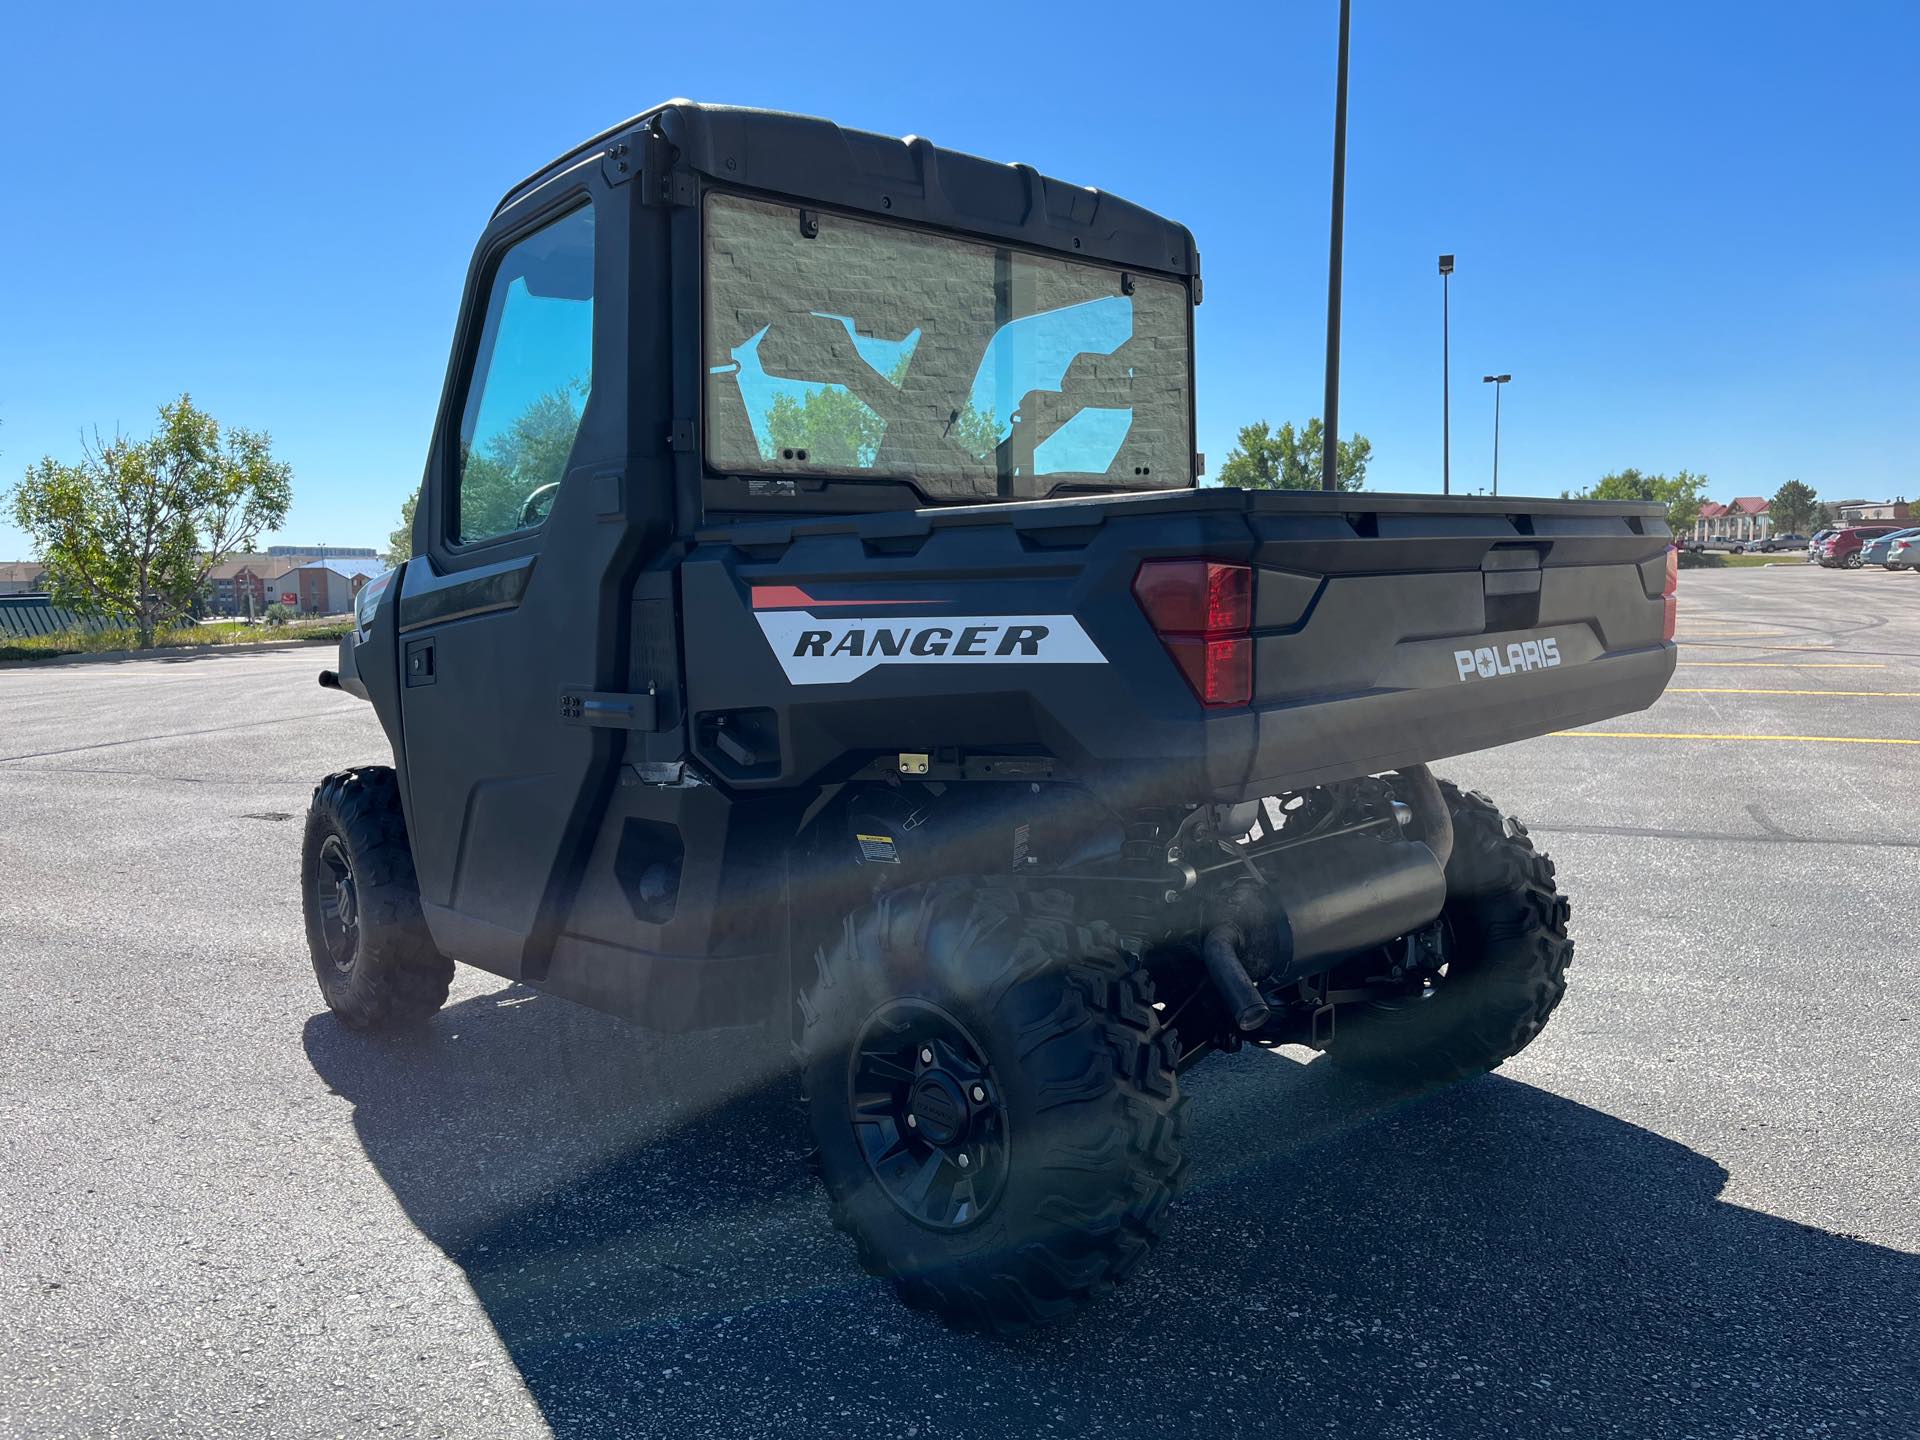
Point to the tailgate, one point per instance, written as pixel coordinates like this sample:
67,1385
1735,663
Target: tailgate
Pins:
1413,628
1386,630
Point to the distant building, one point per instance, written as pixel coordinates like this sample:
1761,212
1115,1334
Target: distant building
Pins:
1747,518
309,584
22,577
246,584
357,570
322,552
323,587
1862,511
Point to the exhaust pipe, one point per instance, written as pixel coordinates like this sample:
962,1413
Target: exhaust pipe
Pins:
1221,950
1347,894
1421,791
1328,899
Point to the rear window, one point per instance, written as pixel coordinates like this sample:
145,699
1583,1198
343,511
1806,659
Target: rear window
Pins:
850,347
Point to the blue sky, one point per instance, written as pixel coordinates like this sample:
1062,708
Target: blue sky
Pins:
1690,232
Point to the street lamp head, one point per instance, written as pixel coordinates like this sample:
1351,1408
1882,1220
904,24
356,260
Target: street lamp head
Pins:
1446,264
1495,379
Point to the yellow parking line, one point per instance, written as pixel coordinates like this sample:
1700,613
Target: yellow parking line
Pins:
1782,664
1884,694
1709,636
1696,735
1770,649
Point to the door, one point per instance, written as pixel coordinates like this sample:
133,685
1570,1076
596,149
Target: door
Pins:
534,522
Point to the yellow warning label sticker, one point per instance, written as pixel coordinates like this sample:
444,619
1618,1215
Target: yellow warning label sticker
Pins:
878,849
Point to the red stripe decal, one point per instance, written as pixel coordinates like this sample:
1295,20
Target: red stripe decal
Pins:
792,597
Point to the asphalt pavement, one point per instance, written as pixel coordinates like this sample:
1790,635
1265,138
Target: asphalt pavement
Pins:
1688,1210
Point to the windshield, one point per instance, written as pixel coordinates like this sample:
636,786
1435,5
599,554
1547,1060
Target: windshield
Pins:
842,346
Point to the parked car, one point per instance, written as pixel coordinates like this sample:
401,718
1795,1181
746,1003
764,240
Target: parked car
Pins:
1905,552
1771,544
1876,552
1842,548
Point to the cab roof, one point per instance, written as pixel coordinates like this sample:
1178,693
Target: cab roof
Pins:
909,179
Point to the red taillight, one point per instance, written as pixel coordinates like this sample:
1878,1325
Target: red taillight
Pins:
1672,595
1186,597
1220,671
1202,611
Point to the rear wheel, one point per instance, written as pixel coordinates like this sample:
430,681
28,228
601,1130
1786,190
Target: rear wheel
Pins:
993,1101
375,961
1506,952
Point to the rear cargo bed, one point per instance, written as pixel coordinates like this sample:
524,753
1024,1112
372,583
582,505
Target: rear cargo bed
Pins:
1387,629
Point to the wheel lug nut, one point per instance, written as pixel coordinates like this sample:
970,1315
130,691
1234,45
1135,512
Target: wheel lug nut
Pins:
926,1055
913,1122
979,1093
962,1162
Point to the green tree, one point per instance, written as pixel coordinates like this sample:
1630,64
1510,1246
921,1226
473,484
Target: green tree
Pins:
400,543
1823,516
1680,493
498,478
132,530
838,429
1792,509
834,426
1286,459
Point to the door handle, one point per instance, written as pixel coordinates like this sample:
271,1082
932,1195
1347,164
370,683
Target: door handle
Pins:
419,662
608,709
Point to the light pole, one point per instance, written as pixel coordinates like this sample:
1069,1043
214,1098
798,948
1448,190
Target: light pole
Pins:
1330,449
1496,381
1446,396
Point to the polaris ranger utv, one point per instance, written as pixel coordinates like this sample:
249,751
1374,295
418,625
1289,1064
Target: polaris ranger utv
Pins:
814,620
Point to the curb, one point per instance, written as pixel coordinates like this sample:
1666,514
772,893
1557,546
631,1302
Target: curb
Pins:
172,652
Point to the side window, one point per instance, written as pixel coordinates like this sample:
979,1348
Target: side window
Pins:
532,373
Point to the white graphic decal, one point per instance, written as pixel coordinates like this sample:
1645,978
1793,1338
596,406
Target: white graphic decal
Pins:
1487,661
844,647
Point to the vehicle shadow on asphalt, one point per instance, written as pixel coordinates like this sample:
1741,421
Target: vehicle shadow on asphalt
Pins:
636,1217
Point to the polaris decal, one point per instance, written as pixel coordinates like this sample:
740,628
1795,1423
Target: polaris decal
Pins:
834,651
1487,661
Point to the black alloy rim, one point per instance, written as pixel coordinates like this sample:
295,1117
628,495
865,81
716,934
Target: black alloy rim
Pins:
337,899
928,1115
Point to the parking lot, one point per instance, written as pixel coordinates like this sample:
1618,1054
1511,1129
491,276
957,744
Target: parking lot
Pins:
1688,1210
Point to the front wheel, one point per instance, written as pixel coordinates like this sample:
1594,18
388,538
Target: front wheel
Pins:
1505,949
376,963
993,1101
1853,561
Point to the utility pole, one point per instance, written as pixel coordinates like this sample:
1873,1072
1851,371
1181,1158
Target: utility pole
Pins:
1446,395
1330,453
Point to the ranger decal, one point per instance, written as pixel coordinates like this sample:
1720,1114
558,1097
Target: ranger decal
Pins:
834,651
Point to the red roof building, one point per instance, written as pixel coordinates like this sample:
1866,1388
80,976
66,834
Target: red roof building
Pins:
1747,517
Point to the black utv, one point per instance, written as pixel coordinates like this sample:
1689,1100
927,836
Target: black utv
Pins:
814,620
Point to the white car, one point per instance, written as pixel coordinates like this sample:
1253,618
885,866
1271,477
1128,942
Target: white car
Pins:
1904,553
